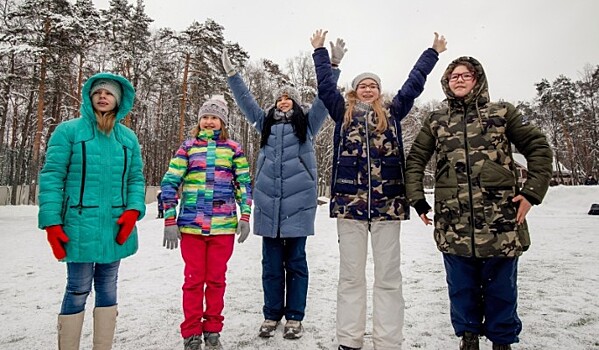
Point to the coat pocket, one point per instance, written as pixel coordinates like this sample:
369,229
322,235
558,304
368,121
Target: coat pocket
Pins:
498,189
65,204
500,211
495,175
346,179
447,205
304,163
391,173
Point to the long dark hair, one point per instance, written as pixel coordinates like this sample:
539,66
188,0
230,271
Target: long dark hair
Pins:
299,121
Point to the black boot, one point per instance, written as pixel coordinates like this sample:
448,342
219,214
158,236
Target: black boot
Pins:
502,346
469,341
343,347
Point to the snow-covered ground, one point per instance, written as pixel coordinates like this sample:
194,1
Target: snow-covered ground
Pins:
558,284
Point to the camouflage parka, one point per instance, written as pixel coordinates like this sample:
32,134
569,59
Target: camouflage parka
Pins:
368,181
475,179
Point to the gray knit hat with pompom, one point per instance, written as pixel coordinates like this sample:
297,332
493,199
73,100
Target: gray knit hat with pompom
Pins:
216,106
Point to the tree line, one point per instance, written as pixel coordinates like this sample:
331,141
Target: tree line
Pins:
49,47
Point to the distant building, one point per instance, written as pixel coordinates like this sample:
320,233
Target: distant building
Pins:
561,175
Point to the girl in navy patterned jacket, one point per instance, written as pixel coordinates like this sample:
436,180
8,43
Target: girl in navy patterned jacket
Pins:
368,194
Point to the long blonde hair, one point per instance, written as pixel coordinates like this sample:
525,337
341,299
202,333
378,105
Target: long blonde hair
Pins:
106,121
224,133
377,105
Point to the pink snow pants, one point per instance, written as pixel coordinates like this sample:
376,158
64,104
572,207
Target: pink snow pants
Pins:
205,260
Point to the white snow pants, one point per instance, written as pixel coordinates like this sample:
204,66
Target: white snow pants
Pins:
388,303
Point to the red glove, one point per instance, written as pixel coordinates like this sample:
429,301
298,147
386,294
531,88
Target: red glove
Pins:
56,238
127,222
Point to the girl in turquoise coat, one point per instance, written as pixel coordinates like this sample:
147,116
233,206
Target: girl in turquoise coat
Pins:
91,195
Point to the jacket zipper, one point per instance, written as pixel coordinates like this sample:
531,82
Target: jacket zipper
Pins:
470,196
338,155
400,154
123,177
83,171
80,205
368,164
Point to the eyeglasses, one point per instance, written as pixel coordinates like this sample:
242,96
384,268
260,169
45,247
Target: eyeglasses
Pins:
368,86
466,76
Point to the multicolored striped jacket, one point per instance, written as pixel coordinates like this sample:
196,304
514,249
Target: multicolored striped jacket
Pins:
215,175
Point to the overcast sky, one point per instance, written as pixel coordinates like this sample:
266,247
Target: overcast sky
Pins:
519,42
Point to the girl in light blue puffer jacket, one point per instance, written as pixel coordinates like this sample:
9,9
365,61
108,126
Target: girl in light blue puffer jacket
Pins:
285,197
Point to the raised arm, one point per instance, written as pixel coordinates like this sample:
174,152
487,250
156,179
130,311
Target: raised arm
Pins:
242,95
327,84
319,112
414,85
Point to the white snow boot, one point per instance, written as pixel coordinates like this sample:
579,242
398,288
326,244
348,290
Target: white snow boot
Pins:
104,325
69,331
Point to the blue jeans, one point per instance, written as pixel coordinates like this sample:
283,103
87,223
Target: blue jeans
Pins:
284,278
483,294
79,285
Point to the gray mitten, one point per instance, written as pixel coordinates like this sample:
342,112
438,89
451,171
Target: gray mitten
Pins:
171,237
338,50
243,230
227,65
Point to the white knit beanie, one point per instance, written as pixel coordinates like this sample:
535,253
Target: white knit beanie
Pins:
363,76
110,85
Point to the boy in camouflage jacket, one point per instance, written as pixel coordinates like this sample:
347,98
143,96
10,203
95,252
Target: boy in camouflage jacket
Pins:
479,211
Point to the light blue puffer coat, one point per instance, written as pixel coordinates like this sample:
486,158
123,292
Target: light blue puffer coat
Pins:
284,193
89,179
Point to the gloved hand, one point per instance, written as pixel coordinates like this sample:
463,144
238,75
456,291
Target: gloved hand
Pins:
171,237
57,238
243,228
317,39
127,222
338,50
227,65
422,206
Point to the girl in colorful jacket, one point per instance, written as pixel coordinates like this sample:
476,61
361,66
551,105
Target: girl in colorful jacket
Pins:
214,175
91,195
285,197
368,195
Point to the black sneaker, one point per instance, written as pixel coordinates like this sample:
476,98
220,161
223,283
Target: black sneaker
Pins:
469,341
502,346
212,341
193,343
343,347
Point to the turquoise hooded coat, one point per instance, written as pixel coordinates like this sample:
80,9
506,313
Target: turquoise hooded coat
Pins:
89,179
